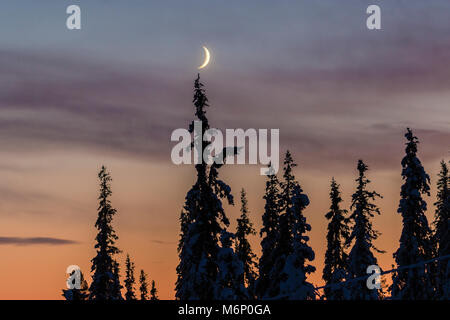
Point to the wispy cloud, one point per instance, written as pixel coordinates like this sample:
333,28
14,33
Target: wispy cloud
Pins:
35,241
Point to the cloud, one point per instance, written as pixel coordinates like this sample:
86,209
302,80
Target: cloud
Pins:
161,242
35,241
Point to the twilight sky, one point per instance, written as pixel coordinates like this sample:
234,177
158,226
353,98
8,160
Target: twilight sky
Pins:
113,92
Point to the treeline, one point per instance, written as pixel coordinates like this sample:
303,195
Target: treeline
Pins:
106,283
218,264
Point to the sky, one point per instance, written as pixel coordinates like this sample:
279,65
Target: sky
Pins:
112,93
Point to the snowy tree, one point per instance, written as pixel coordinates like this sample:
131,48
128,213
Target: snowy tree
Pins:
335,269
77,294
442,230
416,243
291,252
143,285
293,285
154,291
202,219
229,285
129,279
362,237
269,232
105,282
243,249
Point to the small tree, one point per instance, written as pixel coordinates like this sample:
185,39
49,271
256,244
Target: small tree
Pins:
243,249
129,279
335,269
416,244
77,294
363,235
105,280
153,292
143,288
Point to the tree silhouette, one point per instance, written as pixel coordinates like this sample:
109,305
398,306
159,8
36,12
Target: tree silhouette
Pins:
335,268
143,285
416,243
129,279
363,235
243,249
202,219
105,280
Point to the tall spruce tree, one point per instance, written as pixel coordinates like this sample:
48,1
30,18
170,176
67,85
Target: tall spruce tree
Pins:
143,285
129,279
243,249
269,232
416,243
362,236
153,291
335,269
442,232
202,219
105,280
229,284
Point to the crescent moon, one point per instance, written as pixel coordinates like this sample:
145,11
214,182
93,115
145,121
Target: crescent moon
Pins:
207,58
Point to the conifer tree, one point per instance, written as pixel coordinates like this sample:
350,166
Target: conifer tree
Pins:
153,291
416,243
105,280
291,253
362,236
129,279
294,285
143,285
202,219
77,294
229,284
243,249
269,232
442,231
335,269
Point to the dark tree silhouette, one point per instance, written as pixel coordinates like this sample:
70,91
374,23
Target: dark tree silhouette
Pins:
129,279
363,235
335,269
416,243
105,280
154,292
202,220
270,234
442,232
243,249
143,285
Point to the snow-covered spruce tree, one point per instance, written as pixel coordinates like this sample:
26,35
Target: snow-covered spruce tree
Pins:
129,279
269,232
293,284
229,284
154,291
335,268
77,294
288,275
143,285
362,237
202,219
105,281
416,243
442,229
244,250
